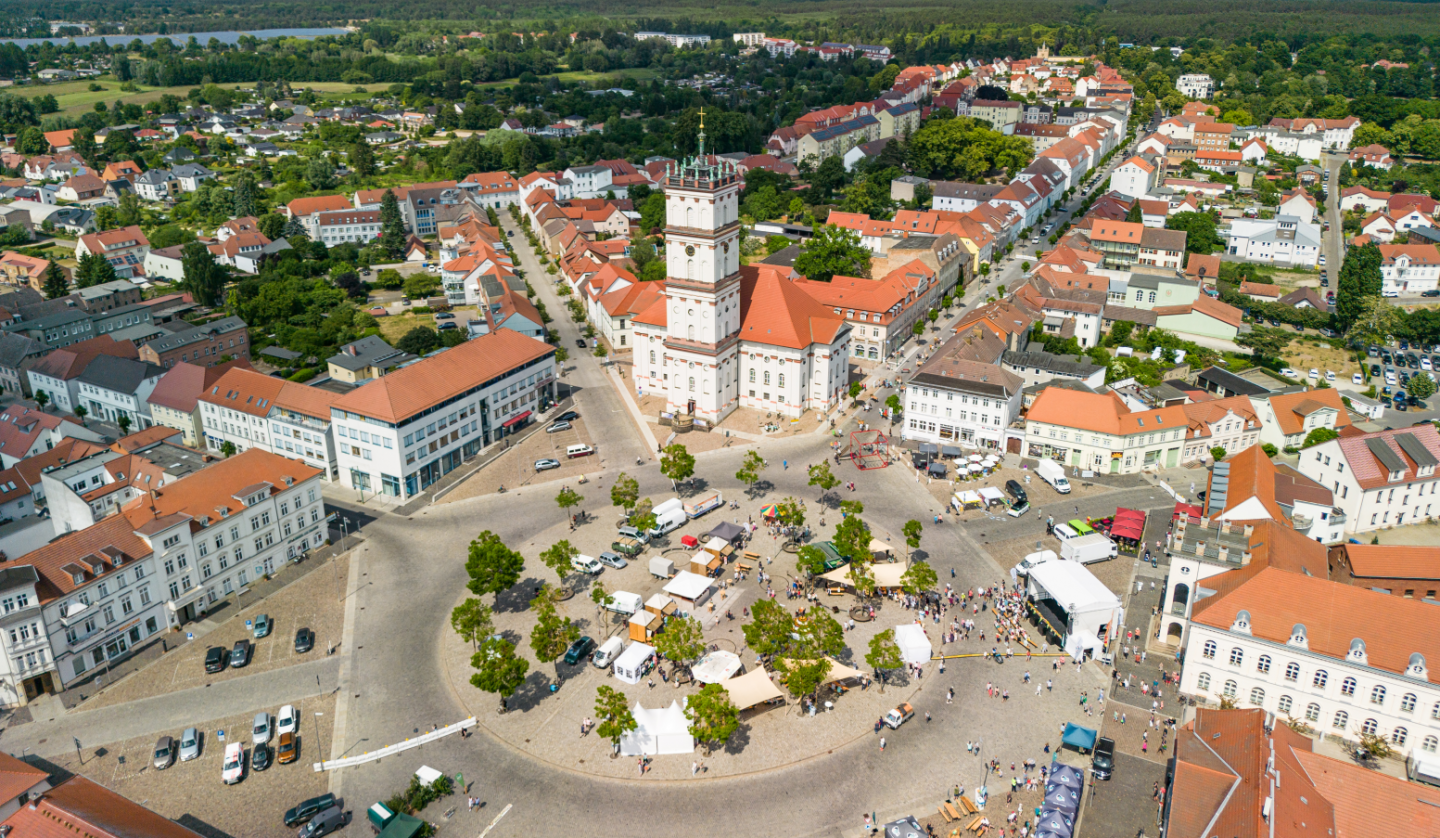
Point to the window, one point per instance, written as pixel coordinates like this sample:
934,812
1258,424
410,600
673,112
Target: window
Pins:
1407,702
1341,720
1237,656
1257,696
1230,689
1208,651
752,376
1430,744
1369,727
1285,705
1203,682
171,541
1398,736
1377,695
1263,664
1292,671
1347,687
1312,712
1320,679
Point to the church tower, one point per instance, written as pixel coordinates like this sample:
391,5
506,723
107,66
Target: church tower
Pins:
1043,54
702,285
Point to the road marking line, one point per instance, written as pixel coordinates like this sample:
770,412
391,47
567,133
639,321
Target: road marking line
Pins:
502,814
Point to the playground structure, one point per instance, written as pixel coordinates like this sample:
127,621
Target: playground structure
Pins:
869,449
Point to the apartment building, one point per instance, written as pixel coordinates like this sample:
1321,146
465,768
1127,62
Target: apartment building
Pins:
1098,432
205,345
350,225
124,248
246,409
952,400
1409,269
881,312
1382,479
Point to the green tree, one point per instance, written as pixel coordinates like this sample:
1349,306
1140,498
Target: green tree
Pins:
419,285
42,398
1264,343
625,492
392,226
1199,230
677,463
552,634
228,449
810,559
105,217
497,668
1318,436
918,578
805,676
1376,320
821,477
1134,215
244,196
492,566
362,159
642,517
1422,386
568,499
123,421
852,539
884,655
1359,278
894,404
558,557
713,718
420,340
682,641
912,531
612,709
81,411
750,469
1218,453
472,620
204,277
93,269
1269,449
56,285
128,215
833,251
319,173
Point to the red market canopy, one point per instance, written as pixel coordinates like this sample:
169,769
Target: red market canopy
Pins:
1188,510
1129,513
1127,529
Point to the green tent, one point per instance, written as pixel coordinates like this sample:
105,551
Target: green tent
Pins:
403,826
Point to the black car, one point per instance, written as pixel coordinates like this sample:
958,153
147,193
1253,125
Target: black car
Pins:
1015,490
1400,406
568,416
1374,370
261,757
215,659
579,651
304,640
240,654
580,342
309,809
1102,764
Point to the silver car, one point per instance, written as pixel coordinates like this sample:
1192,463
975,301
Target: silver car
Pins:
189,744
260,733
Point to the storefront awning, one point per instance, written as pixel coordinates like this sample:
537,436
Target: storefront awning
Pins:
515,420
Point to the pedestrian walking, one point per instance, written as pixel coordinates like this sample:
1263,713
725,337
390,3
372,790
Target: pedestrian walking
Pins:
882,744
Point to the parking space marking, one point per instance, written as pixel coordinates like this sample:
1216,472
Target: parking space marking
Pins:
503,813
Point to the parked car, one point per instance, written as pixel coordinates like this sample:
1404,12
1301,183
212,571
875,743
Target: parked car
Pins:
324,823
260,732
568,416
610,559
1431,293
189,744
447,326
557,427
215,659
580,342
240,653
232,770
308,809
164,753
261,756
288,750
628,546
287,721
444,315
579,650
1102,763
304,640
899,716
635,533
546,464
263,626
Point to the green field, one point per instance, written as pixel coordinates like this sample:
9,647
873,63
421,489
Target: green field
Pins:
633,74
76,97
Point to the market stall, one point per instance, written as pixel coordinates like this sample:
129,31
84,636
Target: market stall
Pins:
726,531
967,499
914,645
716,667
657,732
630,667
690,588
752,688
991,495
886,574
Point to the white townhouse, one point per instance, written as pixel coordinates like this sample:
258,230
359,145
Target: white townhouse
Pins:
1409,269
951,401
112,387
1341,660
1382,479
1284,240
402,432
493,190
1135,178
248,410
589,181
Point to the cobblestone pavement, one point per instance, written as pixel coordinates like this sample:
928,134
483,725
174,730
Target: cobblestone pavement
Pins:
312,602
252,808
1124,805
515,468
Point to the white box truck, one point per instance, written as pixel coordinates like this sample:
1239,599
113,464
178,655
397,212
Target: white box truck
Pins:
624,602
1054,474
1088,548
662,567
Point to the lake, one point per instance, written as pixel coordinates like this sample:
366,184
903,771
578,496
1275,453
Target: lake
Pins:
178,39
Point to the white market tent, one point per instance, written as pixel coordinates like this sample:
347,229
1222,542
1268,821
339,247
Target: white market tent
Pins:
992,495
1090,607
887,574
914,645
659,731
878,546
688,586
632,661
752,688
716,545
716,667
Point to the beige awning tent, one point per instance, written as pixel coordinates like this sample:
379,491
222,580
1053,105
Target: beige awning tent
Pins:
878,546
887,575
838,671
752,688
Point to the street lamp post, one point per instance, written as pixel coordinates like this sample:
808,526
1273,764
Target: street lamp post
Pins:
319,743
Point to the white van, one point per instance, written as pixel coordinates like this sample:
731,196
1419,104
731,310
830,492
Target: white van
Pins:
574,451
668,521
624,602
608,651
1063,532
586,564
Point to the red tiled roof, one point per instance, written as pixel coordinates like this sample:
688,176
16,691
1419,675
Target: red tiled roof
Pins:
324,203
1292,408
776,311
1394,561
245,391
204,493
81,808
1369,472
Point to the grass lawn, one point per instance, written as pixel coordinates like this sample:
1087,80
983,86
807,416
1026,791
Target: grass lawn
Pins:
76,97
394,327
636,74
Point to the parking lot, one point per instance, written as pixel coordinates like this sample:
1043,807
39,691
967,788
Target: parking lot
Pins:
311,601
190,791
516,467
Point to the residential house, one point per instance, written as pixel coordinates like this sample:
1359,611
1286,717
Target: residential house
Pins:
124,248
1100,433
1381,479
1409,269
118,390
175,401
364,359
245,409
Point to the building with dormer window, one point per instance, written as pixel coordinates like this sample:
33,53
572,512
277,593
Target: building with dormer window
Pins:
1381,480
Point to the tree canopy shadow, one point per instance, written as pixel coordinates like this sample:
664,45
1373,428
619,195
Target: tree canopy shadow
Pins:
738,740
517,597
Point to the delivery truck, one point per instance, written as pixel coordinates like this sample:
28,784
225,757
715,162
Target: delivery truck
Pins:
1054,474
1088,548
700,506
669,516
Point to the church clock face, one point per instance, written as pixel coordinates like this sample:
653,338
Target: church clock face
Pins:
689,250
